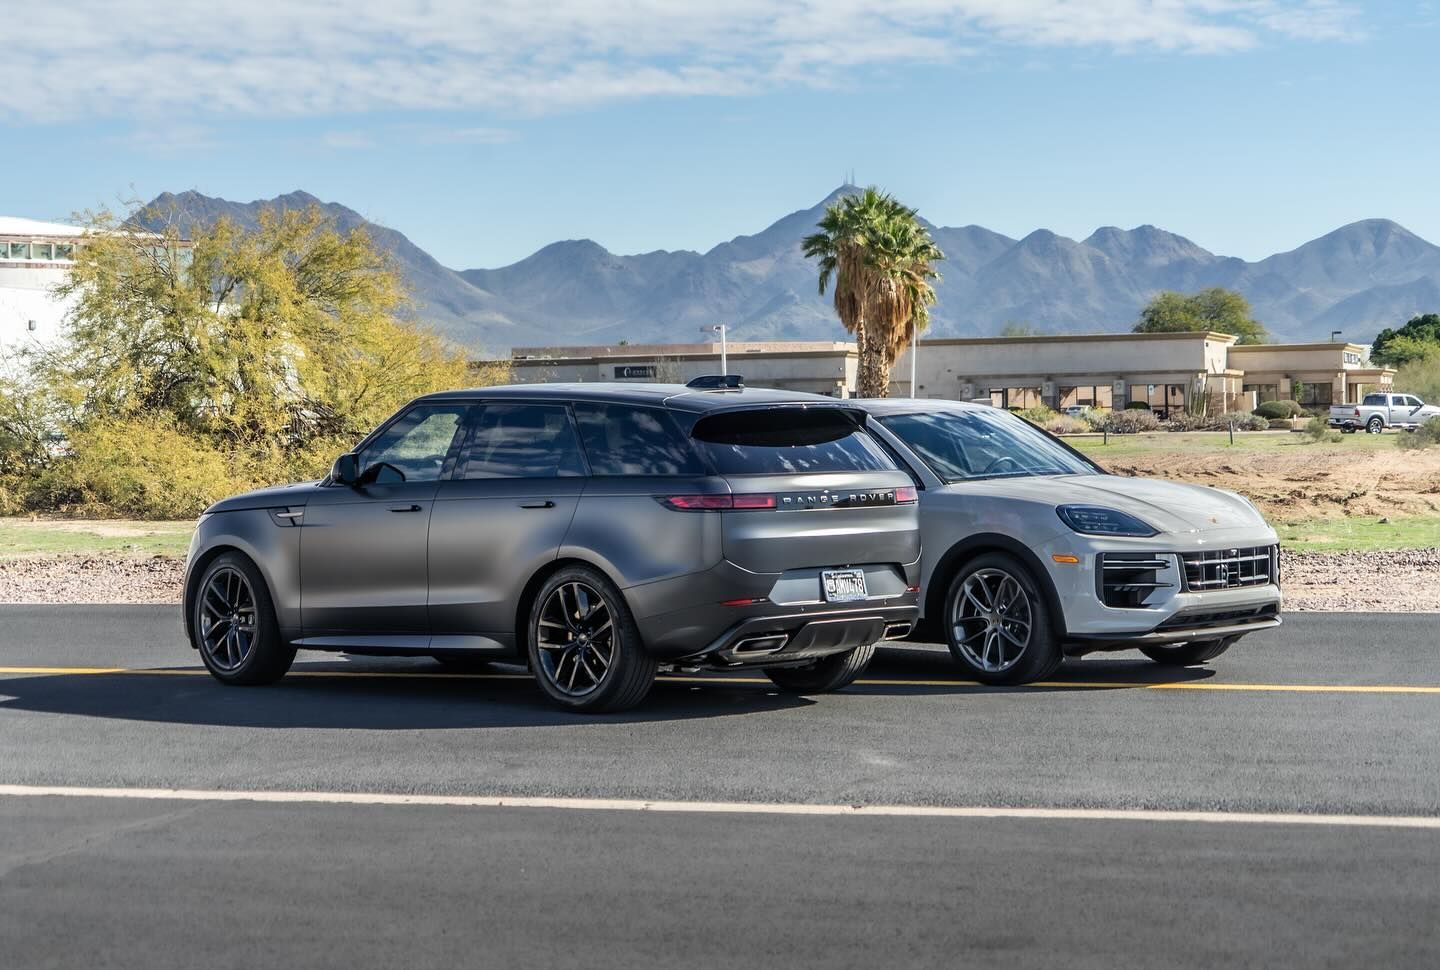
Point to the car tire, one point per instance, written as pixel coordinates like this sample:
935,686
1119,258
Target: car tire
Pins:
991,601
824,675
1374,426
233,624
584,646
1189,654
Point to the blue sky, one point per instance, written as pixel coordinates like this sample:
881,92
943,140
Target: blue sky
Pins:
1249,126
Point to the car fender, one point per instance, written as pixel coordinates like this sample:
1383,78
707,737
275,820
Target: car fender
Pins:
933,598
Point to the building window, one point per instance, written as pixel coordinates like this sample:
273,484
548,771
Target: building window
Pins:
1097,396
19,250
1263,392
1315,395
64,251
41,251
1016,398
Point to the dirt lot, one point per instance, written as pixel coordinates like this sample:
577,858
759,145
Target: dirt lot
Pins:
1288,477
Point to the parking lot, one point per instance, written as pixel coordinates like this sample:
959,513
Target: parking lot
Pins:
1147,779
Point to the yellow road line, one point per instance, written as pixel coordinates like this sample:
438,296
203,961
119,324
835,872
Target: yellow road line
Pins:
726,808
701,681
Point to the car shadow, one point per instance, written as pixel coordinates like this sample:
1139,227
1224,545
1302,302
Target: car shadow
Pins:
423,697
932,665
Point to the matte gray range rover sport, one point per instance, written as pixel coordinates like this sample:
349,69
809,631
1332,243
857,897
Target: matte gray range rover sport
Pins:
596,531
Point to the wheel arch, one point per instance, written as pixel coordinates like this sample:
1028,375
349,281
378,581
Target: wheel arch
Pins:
197,570
531,589
971,548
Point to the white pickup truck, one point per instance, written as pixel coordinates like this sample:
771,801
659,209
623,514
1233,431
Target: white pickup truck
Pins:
1380,411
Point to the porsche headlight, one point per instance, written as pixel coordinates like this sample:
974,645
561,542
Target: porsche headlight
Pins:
1096,520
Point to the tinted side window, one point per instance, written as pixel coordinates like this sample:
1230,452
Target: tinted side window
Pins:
522,441
621,439
788,441
1372,400
414,447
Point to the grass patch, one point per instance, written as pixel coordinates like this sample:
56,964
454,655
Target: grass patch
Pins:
93,537
1358,534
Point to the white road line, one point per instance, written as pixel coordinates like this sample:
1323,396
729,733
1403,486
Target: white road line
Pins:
726,808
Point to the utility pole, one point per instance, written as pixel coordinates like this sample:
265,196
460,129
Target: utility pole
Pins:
914,353
720,329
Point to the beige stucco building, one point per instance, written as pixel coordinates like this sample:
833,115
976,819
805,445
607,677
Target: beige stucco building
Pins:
1167,371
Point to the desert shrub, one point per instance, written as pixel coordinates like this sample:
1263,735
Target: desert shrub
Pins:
1318,429
1279,409
1064,424
1137,406
1037,415
1425,436
1184,421
1279,424
1130,422
143,468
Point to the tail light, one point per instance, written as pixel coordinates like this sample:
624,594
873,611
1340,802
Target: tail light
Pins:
713,503
906,495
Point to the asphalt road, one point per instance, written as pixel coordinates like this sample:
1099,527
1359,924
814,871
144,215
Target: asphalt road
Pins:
1334,714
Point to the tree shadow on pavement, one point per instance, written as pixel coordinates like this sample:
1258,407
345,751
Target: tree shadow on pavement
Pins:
376,700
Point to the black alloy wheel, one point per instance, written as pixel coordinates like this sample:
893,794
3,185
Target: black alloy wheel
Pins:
584,646
233,624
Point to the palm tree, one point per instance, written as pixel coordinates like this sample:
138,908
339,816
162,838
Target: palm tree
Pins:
882,261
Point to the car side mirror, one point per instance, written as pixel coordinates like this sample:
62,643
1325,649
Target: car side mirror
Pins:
346,470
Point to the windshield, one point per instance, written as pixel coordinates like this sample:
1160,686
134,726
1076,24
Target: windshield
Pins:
966,445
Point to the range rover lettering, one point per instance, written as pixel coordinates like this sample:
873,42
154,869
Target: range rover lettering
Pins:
595,532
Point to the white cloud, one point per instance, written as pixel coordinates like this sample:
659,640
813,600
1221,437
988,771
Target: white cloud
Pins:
295,58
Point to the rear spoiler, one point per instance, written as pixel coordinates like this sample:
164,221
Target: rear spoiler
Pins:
717,382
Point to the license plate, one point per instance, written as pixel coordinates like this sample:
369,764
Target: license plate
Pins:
843,585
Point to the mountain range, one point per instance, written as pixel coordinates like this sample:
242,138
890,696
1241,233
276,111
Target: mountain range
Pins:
1358,279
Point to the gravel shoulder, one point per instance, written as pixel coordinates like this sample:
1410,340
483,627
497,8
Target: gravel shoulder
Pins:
1396,581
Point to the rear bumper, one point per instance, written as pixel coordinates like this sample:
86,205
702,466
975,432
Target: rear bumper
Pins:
701,614
760,641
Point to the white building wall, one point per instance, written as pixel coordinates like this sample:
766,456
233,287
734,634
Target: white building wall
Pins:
25,296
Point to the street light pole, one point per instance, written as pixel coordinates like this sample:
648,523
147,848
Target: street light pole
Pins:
720,329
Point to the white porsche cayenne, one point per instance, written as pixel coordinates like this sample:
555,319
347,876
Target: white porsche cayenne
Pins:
1033,553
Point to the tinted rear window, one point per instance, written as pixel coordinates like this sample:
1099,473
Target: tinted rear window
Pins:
1374,399
788,441
621,439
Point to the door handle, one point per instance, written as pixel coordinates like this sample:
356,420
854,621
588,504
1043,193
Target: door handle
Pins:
547,504
404,508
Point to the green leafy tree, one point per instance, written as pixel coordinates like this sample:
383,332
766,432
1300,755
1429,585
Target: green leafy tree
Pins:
281,334
1417,340
261,352
882,261
1218,309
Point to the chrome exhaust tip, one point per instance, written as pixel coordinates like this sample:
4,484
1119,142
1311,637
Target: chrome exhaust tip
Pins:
756,646
897,631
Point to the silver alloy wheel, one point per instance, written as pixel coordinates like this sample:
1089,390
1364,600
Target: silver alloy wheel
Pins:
991,620
576,636
227,618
